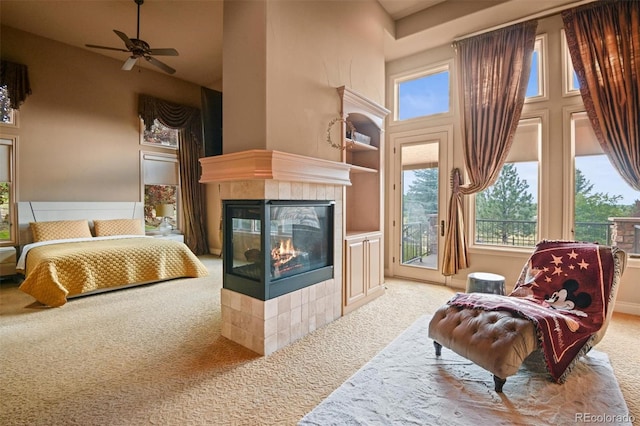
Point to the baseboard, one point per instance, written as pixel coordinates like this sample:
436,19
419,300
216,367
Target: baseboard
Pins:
458,285
215,251
627,308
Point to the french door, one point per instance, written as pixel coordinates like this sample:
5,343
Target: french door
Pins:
421,190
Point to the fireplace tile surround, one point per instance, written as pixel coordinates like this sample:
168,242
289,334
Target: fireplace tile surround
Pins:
266,326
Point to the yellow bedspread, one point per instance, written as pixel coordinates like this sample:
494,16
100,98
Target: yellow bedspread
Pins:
54,272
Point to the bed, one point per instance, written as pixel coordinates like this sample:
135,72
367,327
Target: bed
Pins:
69,249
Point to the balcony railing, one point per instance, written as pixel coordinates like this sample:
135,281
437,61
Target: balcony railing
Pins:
522,233
417,237
415,241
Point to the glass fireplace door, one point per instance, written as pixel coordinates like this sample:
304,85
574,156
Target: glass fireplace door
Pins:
275,247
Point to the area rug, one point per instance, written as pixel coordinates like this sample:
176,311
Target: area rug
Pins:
406,384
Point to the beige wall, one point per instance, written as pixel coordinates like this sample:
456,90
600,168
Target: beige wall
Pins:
79,132
282,64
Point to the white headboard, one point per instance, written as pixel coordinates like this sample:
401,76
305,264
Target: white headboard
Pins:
44,211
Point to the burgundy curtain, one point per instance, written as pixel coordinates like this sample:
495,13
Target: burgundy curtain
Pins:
189,121
604,42
494,73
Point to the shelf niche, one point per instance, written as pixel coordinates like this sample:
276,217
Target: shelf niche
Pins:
363,200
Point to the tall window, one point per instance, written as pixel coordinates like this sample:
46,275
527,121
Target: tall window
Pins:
536,88
423,95
159,135
606,208
507,211
161,190
7,190
8,115
570,83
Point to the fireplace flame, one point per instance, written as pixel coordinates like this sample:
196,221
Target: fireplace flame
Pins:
284,252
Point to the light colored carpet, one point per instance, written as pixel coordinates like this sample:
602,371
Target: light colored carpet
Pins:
407,384
154,355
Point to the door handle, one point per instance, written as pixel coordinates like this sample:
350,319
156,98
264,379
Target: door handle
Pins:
442,228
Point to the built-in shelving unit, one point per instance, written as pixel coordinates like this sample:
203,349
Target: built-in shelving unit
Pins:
363,200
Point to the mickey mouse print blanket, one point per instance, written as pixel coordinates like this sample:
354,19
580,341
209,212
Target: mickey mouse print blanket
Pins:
564,290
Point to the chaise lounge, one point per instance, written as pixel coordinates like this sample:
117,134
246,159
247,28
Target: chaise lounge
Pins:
560,308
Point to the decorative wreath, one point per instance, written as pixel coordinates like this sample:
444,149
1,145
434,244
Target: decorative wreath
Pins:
350,128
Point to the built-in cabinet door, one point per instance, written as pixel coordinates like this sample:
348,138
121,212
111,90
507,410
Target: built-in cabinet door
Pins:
373,253
363,270
355,270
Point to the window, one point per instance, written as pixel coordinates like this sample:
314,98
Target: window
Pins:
570,83
536,88
160,187
159,135
423,95
606,208
7,190
507,212
8,116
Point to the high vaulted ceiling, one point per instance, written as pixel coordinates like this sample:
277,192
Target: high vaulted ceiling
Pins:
194,27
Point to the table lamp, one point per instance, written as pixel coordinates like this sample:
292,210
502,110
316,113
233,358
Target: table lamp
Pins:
165,211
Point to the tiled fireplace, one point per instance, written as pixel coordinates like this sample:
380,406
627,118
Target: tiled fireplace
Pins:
257,321
275,247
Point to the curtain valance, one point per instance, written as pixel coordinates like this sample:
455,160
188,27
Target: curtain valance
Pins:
16,78
171,115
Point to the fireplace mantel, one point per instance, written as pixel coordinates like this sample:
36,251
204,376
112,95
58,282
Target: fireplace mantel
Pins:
259,164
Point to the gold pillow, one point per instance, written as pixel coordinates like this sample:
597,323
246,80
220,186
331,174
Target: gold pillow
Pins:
104,228
60,229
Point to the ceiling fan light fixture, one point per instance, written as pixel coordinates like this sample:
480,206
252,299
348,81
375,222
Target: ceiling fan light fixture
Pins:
129,63
140,48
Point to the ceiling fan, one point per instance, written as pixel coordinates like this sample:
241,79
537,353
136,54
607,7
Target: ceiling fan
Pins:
140,49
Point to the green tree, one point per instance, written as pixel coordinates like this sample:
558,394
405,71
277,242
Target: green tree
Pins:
5,109
421,198
506,201
4,210
594,209
4,193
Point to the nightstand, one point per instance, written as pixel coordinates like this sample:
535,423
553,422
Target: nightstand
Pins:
7,261
175,237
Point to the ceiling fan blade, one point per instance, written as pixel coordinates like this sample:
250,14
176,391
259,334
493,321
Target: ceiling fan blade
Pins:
128,65
163,52
164,67
127,40
106,47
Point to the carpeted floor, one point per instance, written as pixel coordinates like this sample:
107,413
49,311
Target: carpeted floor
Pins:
407,384
154,355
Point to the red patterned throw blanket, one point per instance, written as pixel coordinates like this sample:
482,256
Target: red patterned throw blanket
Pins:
564,290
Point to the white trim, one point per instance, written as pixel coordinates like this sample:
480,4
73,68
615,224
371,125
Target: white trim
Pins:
444,134
414,74
543,70
567,68
13,156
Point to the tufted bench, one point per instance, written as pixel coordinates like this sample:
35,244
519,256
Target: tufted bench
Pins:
495,340
500,341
